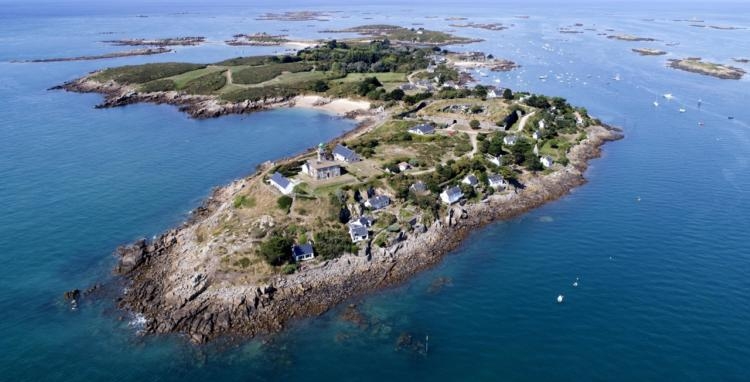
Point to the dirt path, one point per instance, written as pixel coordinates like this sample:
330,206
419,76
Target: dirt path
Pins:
525,118
230,81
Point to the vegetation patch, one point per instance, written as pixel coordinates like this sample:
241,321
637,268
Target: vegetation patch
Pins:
133,74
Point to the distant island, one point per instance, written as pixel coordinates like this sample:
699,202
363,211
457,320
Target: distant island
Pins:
741,60
170,41
628,37
257,39
697,65
136,52
487,26
432,160
295,16
649,51
401,35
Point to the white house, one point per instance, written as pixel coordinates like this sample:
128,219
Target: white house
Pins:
510,140
496,160
537,135
302,252
491,94
423,129
344,154
358,232
542,124
546,161
471,180
284,185
497,181
536,149
403,166
451,195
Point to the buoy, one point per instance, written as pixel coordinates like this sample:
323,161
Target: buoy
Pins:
560,299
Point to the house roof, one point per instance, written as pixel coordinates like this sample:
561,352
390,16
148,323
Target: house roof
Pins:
471,179
496,179
510,138
348,154
453,192
423,128
357,230
280,180
379,201
361,221
302,249
419,186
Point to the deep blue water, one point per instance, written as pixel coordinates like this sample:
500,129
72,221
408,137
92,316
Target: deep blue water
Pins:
658,237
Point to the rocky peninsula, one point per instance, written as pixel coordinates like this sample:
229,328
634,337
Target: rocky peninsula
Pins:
171,41
360,213
136,52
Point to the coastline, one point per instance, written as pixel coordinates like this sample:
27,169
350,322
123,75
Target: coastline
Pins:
204,106
164,287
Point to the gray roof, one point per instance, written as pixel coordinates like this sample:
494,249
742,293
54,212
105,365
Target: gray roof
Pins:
454,191
280,180
473,181
419,186
423,128
348,154
496,179
302,249
380,201
357,230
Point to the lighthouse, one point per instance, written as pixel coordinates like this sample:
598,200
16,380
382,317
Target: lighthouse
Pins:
321,146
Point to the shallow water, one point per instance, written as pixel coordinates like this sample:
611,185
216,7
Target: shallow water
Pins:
658,237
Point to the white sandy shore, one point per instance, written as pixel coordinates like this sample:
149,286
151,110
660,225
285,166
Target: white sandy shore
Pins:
338,106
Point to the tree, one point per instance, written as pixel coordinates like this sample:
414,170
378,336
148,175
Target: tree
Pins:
332,243
284,202
344,215
480,91
277,249
397,94
319,86
474,124
507,94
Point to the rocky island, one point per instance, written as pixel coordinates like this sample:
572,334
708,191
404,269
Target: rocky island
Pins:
258,39
628,37
697,65
401,35
649,51
170,41
362,212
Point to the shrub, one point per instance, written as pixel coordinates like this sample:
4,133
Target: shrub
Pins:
474,124
284,202
162,85
207,83
244,201
258,74
138,74
244,262
276,250
332,243
288,269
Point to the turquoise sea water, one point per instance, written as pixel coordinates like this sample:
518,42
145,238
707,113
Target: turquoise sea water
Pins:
658,237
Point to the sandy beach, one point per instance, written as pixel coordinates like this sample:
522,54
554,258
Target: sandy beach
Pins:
339,106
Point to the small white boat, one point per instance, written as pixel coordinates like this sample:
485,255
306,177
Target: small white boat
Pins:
668,96
616,77
575,283
543,77
560,299
682,110
656,104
